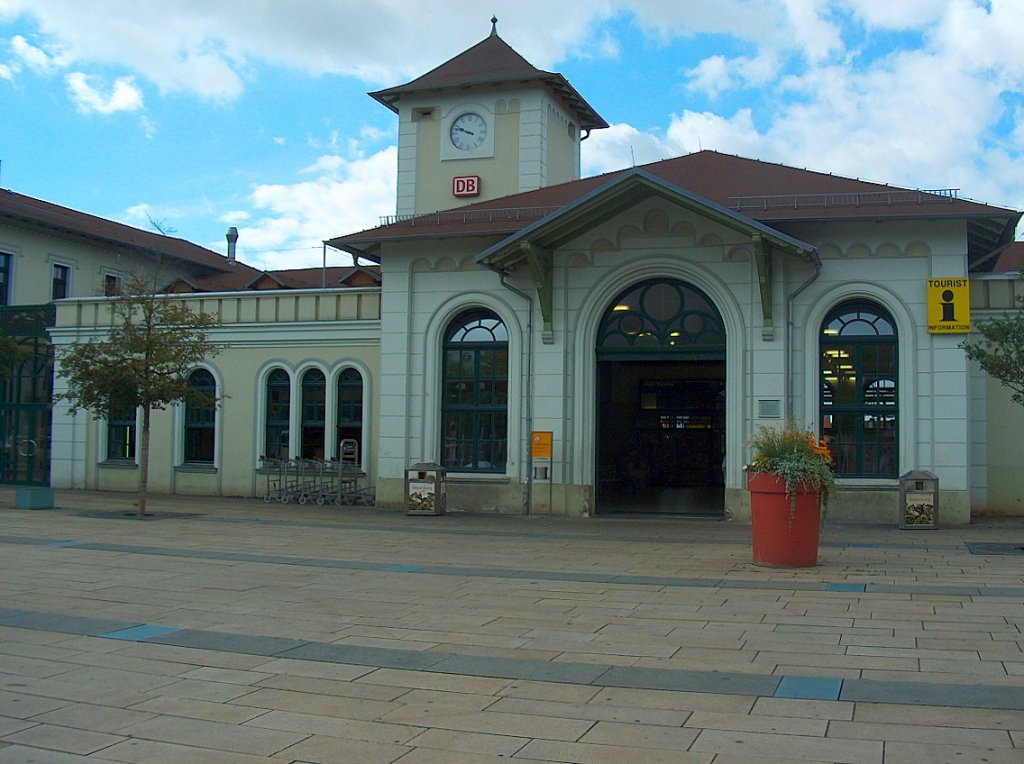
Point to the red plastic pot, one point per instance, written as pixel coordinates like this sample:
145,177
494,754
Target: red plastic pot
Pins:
785,535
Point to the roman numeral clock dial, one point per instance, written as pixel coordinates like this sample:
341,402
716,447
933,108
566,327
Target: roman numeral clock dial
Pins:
468,132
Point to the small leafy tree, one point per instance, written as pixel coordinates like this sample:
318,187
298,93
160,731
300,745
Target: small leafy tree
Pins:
143,362
1001,350
11,354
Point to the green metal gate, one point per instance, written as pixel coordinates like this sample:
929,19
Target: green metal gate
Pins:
26,392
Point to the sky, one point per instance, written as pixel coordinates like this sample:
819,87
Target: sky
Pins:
189,116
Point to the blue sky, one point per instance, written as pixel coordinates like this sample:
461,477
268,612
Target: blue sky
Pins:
197,115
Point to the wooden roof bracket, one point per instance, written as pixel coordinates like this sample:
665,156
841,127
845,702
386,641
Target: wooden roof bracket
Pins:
541,268
763,260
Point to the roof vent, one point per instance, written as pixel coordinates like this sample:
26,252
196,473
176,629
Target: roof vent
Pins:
232,237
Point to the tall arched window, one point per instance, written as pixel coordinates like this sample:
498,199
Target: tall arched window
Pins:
314,414
474,412
201,418
278,414
860,389
350,413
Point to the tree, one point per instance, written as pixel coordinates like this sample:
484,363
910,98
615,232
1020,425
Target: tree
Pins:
143,362
11,354
1001,351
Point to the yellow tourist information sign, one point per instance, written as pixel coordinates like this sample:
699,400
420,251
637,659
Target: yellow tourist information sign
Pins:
949,306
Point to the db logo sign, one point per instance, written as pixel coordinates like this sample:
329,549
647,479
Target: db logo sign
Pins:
466,185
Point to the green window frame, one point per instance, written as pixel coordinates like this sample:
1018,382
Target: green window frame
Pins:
277,417
859,372
5,278
61,281
201,418
661,318
121,434
314,414
349,424
474,410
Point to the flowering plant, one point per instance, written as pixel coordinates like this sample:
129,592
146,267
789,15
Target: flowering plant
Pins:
796,455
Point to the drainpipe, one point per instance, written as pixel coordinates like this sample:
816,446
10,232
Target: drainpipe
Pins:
528,387
816,262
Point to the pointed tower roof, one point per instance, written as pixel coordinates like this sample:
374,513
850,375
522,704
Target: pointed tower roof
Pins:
492,61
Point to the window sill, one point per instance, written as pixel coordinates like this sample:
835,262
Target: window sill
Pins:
197,467
117,464
868,484
477,477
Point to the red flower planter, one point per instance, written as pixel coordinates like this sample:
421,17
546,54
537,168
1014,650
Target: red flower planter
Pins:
783,537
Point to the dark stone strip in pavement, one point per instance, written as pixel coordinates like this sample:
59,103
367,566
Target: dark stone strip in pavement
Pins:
721,682
563,672
927,694
226,642
65,624
566,672
358,655
478,572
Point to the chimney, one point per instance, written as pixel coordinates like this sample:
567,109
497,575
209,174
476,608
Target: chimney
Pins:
232,237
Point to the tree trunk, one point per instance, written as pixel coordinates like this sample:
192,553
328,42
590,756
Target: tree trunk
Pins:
144,461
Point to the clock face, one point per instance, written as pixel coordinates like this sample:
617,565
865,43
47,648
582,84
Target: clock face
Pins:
468,132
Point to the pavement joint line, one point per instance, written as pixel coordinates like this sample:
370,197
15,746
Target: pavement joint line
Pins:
562,672
554,534
609,578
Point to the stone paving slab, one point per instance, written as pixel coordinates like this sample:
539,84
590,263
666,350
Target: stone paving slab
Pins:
235,632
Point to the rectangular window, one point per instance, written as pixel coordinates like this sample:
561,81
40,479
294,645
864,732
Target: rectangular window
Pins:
121,434
61,282
5,278
111,285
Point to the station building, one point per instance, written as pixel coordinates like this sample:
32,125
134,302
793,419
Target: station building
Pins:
576,346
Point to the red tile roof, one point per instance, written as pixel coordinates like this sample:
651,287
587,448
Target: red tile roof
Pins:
1011,259
769,193
27,210
492,61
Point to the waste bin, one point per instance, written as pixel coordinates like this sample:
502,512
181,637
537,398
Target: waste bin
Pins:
425,489
919,500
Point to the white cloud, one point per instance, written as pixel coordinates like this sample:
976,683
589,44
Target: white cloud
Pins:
208,48
235,217
711,76
35,58
123,96
622,145
290,221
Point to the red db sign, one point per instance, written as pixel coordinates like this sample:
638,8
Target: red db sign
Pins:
466,185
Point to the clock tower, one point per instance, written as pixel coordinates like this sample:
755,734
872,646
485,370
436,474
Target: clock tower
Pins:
483,125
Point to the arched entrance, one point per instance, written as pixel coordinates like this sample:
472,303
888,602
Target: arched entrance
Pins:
661,376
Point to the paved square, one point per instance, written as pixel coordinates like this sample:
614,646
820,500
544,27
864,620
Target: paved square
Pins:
236,631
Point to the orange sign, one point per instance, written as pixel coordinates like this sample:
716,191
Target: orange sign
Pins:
540,445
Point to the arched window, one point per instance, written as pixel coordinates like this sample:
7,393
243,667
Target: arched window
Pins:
474,412
201,418
350,414
859,389
314,414
278,414
661,318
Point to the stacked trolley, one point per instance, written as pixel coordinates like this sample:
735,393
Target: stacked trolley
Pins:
317,481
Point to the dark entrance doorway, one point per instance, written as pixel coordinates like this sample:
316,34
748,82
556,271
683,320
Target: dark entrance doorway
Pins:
661,402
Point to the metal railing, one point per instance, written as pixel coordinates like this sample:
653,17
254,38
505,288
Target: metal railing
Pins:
497,215
852,199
